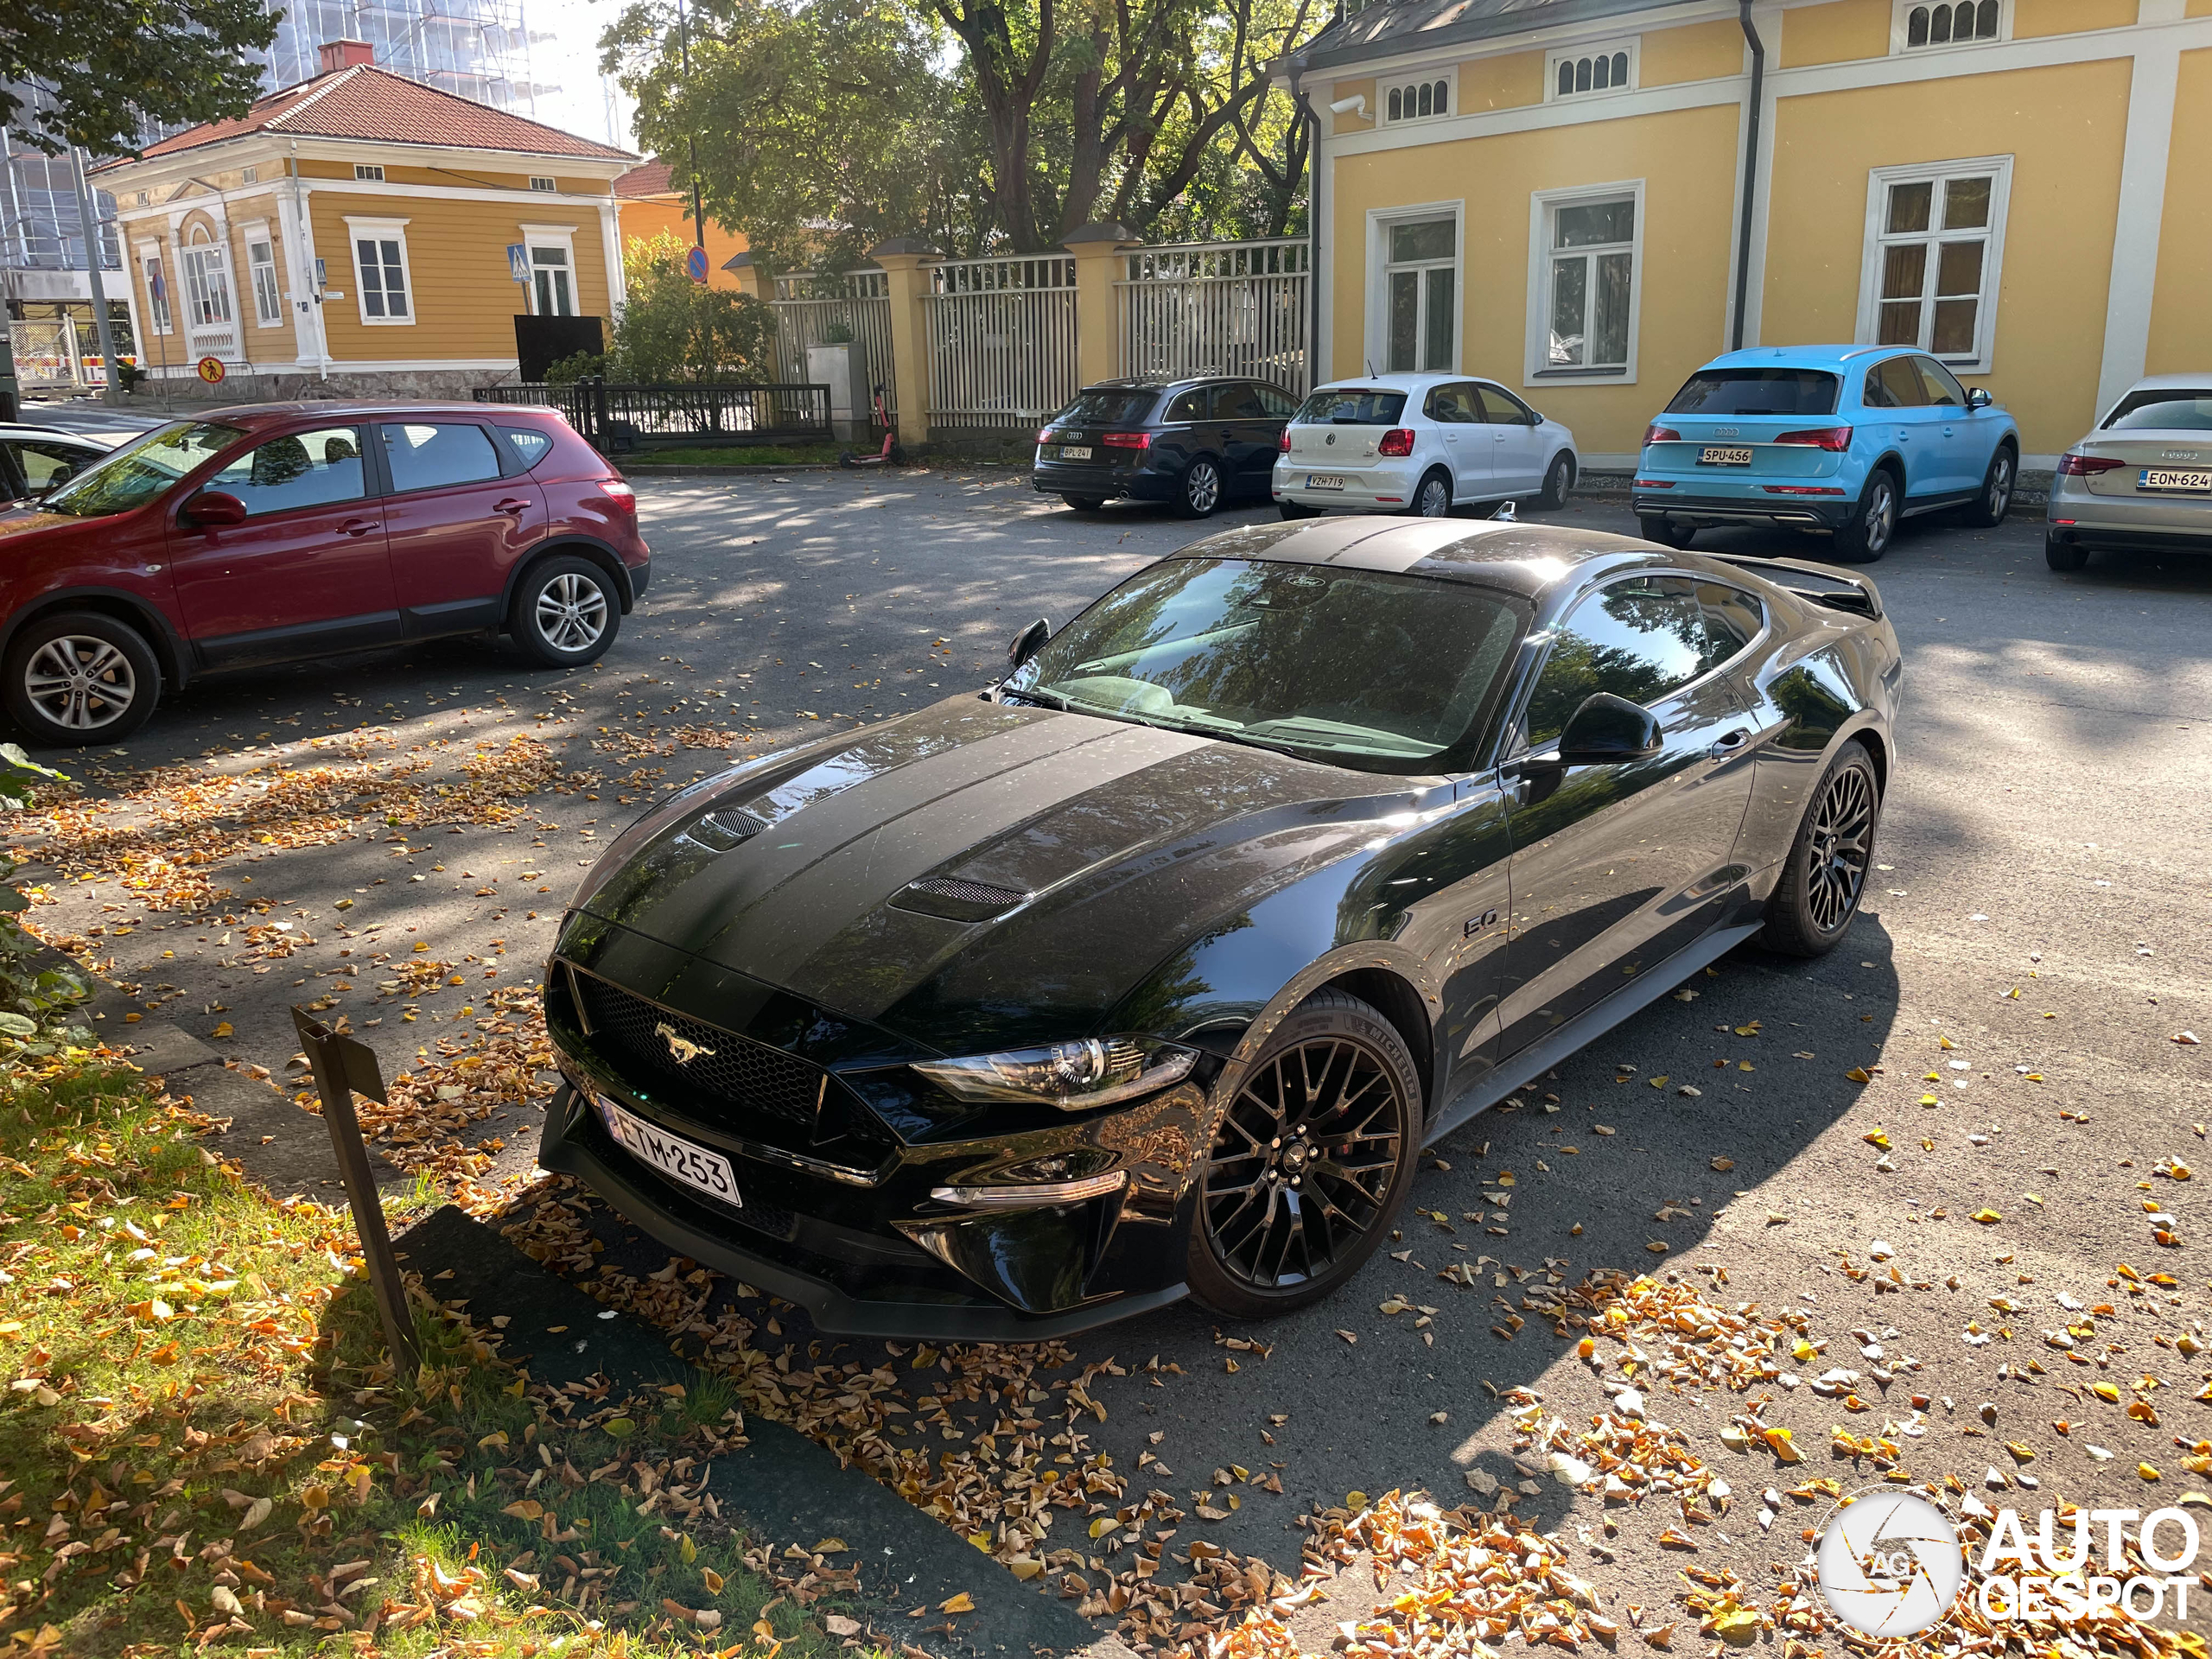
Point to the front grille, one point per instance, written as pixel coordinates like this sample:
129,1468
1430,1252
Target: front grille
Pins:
968,893
748,1075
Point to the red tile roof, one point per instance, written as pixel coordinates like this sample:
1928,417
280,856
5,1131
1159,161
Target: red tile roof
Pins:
646,179
375,105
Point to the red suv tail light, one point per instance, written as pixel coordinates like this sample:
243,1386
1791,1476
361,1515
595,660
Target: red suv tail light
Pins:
621,494
1126,440
2088,465
1398,441
1282,443
1655,432
1043,435
1836,438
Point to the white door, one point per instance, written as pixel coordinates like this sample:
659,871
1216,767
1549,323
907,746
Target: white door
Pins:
1455,413
1516,447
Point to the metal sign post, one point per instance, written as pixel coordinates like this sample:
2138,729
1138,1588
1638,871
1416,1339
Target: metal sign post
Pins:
344,1068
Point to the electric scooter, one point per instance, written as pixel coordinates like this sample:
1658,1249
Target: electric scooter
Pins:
890,456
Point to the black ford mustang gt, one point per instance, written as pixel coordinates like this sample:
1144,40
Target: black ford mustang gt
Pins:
1149,971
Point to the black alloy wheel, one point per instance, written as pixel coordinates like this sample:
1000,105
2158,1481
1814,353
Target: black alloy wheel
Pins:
1311,1162
1433,498
1996,498
1201,491
1825,878
1557,482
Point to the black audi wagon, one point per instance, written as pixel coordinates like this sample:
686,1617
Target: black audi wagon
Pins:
1197,444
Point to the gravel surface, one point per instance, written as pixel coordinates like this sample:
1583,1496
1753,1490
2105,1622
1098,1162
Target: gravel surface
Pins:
2039,938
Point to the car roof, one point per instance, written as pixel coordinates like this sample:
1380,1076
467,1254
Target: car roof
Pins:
258,415
1398,380
1161,382
1807,356
25,429
1530,560
2172,382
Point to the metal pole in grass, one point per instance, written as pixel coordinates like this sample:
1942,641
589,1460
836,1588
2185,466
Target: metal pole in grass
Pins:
344,1068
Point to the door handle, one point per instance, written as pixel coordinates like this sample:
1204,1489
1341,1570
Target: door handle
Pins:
359,526
1734,742
512,504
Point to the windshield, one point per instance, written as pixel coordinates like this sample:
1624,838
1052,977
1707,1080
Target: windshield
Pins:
1361,669
2171,409
1354,406
1756,391
1106,406
135,474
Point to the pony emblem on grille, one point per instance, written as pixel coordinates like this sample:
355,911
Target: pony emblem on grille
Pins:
683,1048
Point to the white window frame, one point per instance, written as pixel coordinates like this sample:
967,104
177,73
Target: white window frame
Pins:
249,174
160,310
1878,180
1633,45
563,237
1385,85
370,172
207,286
1901,27
1537,369
1379,223
261,276
538,181
381,230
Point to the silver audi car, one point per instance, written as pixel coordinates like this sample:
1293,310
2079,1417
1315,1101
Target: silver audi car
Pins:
2142,480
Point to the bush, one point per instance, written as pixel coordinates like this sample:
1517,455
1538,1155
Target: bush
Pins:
673,328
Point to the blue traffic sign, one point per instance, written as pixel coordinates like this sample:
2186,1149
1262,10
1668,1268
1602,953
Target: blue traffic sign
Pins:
519,262
696,263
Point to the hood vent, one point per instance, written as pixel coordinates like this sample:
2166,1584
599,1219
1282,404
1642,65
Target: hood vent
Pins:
724,828
958,900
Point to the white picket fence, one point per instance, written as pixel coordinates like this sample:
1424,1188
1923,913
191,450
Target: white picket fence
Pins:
1001,340
858,303
1218,307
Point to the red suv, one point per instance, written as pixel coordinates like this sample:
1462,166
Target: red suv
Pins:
281,531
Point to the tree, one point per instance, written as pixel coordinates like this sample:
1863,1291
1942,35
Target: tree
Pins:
104,69
672,329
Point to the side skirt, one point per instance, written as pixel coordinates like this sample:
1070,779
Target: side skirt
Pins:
1586,1027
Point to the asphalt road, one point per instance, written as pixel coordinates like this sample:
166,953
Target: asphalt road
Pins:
2044,908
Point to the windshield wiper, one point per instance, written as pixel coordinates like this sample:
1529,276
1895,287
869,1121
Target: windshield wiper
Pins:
1043,699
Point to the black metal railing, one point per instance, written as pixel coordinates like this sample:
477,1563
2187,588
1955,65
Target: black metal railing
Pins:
615,419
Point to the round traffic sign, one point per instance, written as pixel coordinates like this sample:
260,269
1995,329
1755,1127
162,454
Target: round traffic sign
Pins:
211,370
696,263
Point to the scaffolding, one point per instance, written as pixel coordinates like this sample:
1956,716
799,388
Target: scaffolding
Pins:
479,49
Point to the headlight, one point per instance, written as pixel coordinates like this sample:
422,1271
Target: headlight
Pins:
1074,1077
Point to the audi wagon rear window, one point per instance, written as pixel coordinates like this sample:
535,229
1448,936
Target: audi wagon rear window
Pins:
1361,407
1756,391
1109,408
2171,409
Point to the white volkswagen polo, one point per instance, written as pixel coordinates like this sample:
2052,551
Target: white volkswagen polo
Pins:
1419,443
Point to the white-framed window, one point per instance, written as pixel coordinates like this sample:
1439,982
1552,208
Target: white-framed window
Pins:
158,287
1935,246
539,181
1573,70
1413,323
372,171
552,269
1917,24
206,279
261,269
1585,281
1418,98
386,293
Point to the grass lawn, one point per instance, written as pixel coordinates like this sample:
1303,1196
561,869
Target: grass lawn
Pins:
202,1444
763,456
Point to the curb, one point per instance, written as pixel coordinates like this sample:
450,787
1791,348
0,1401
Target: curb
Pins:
785,1486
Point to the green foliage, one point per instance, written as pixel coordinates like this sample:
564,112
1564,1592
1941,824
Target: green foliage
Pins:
673,328
35,1004
114,65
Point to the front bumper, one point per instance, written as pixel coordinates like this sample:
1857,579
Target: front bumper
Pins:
840,1214
1706,512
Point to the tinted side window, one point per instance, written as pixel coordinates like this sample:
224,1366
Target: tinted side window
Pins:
1638,639
1941,386
1187,406
1503,409
1894,385
1453,405
1279,405
425,455
301,469
1733,619
45,465
529,442
1238,403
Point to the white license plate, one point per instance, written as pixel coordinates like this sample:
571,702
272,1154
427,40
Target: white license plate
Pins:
1715,455
1325,480
1075,452
677,1159
2177,480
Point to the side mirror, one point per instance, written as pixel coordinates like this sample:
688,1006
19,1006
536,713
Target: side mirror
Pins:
1607,730
1028,642
1978,398
215,507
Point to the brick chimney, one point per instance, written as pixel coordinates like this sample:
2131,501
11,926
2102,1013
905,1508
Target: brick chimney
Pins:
344,54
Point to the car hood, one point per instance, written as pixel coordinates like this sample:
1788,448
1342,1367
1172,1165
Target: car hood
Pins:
29,521
1064,857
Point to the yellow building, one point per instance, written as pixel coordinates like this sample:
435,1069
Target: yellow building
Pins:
1588,199
652,206
360,230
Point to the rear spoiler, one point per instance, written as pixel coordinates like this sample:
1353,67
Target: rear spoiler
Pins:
1823,584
